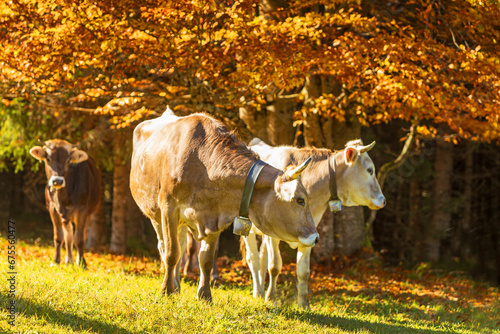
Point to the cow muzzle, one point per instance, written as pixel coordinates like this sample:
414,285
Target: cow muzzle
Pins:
378,203
57,182
310,241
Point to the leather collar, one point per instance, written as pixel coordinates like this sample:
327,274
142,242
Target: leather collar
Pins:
242,223
334,202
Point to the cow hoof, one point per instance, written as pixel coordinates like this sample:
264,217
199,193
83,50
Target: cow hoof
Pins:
204,295
82,263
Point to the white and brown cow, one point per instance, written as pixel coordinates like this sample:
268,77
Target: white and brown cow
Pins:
190,172
354,173
72,194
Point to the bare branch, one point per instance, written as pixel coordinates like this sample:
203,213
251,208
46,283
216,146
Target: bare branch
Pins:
386,168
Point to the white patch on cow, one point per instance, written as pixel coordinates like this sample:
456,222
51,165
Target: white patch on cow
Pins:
286,190
190,214
57,182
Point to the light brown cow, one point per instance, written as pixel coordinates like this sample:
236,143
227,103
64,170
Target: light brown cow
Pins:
72,194
353,172
190,172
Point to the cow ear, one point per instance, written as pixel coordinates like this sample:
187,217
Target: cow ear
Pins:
78,156
350,155
38,153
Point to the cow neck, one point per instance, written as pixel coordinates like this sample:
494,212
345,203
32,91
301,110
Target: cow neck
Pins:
334,202
60,198
242,223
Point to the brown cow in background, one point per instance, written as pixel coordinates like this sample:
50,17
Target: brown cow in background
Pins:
72,194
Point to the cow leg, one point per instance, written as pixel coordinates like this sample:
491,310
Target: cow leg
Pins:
169,224
206,261
303,272
275,264
214,276
58,235
68,240
161,241
252,257
263,257
81,224
183,238
189,253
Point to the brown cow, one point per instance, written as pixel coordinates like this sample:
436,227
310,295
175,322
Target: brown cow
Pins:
72,194
189,173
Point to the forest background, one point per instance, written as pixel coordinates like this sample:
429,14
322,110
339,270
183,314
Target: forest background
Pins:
421,77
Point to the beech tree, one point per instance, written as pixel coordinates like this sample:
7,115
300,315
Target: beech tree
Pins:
310,71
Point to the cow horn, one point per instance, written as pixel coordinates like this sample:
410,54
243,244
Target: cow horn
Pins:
294,173
366,148
44,144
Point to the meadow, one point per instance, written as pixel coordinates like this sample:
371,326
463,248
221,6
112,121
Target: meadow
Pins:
120,294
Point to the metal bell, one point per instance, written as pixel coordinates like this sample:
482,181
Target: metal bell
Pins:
242,226
335,205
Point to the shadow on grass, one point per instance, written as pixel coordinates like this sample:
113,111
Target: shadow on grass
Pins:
31,308
356,325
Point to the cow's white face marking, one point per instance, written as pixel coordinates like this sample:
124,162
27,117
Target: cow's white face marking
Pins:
286,190
57,182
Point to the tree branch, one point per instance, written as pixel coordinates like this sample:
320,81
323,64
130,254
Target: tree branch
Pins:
386,168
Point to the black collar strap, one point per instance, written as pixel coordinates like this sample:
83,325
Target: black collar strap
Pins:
334,202
242,223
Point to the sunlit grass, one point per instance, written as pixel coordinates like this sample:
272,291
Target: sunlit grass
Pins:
120,294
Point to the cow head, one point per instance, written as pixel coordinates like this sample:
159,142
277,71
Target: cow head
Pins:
357,182
58,155
285,210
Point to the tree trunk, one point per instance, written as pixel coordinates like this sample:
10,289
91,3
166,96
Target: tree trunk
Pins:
465,228
347,226
495,217
275,124
118,242
97,234
349,229
413,234
327,239
136,222
441,217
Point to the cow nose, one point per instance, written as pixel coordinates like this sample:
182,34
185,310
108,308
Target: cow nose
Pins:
57,182
380,202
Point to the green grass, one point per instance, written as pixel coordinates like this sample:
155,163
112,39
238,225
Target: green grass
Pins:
120,295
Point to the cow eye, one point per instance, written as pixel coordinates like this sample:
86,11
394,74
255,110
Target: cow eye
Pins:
301,201
48,159
370,171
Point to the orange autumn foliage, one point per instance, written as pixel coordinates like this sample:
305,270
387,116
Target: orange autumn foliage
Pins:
415,60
